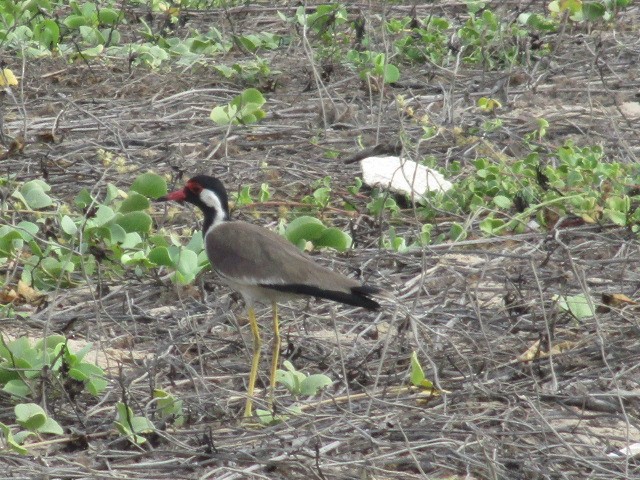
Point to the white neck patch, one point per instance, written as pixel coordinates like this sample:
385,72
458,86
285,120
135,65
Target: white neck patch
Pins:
211,200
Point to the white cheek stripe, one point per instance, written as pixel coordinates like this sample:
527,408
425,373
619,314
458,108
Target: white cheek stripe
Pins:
211,200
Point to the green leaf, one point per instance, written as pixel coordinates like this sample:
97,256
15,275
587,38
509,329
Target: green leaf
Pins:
68,225
30,415
96,386
108,16
334,238
313,383
50,342
253,96
491,226
577,305
286,379
103,215
85,371
265,193
617,217
244,196
243,109
160,256
83,199
196,244
221,116
28,230
130,425
10,241
150,185
133,203
188,263
17,388
593,11
502,202
391,73
417,374
14,442
457,232
135,222
117,234
47,32
132,240
266,417
304,228
74,21
112,193
93,52
21,349
50,426
34,195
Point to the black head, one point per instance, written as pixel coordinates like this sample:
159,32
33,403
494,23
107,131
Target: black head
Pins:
208,194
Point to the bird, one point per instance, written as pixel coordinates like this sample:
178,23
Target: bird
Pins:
263,267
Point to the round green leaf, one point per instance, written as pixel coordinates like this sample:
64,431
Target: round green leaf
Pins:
84,371
160,256
47,33
187,263
313,383
132,240
50,426
74,21
578,305
252,95
83,199
27,230
304,228
286,379
34,194
96,385
10,240
103,215
30,415
108,16
150,185
17,388
51,341
391,74
220,116
502,202
334,238
593,11
117,233
134,222
134,202
68,226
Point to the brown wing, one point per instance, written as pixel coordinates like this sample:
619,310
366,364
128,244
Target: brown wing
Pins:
252,255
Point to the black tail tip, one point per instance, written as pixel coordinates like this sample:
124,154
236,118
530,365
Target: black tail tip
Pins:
363,294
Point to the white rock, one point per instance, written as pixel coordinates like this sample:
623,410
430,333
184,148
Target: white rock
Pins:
402,176
632,450
631,110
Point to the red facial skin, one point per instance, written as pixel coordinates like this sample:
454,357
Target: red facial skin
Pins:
181,195
178,196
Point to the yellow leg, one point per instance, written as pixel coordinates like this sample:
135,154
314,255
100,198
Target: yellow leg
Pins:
276,353
255,362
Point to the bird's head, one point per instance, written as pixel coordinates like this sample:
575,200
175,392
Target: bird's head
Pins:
205,192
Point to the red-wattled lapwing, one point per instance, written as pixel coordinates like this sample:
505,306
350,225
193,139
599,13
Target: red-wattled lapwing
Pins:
263,266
